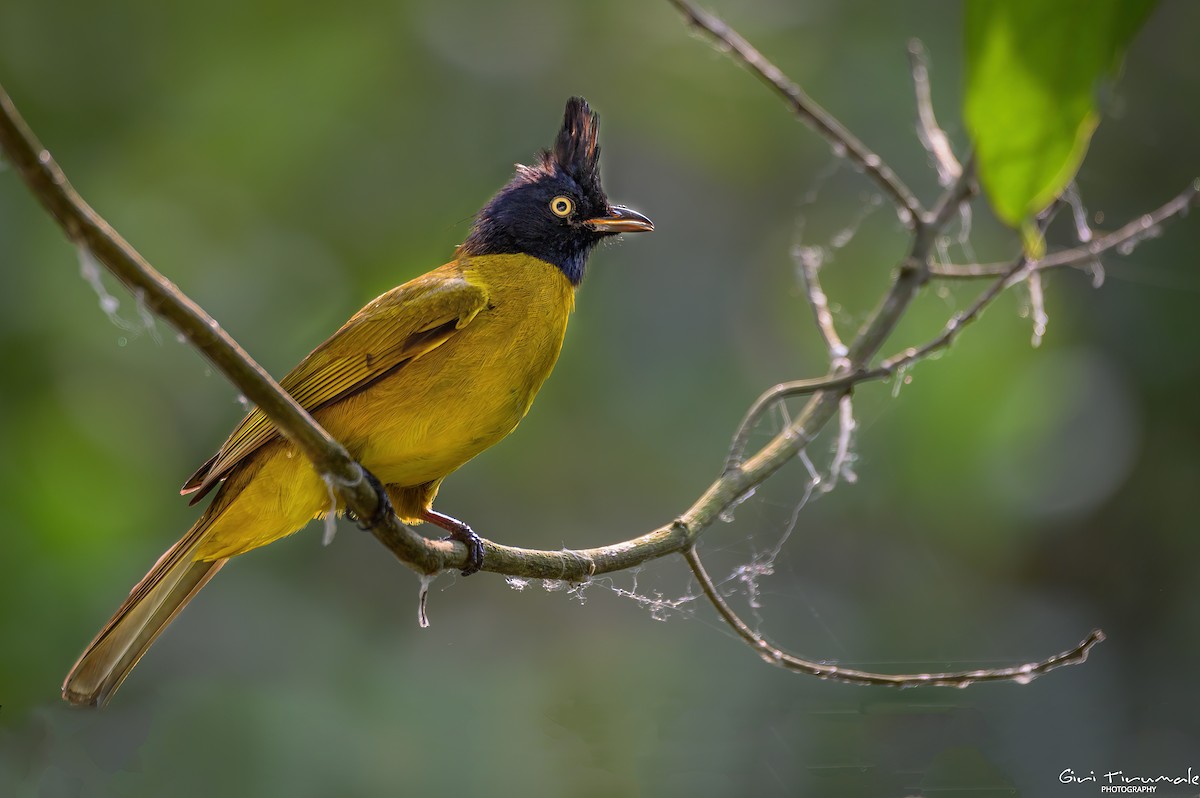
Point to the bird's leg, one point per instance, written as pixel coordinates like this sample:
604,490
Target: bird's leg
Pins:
463,534
457,529
383,510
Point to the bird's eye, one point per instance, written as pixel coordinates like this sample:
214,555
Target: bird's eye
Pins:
562,206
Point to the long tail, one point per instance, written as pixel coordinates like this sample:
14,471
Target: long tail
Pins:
152,604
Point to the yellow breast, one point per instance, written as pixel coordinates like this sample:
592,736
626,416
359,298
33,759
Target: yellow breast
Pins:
449,405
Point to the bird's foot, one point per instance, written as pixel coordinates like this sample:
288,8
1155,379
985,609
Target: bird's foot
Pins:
463,534
383,510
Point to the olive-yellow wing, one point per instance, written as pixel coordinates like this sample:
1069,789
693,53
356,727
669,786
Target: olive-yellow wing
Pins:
394,329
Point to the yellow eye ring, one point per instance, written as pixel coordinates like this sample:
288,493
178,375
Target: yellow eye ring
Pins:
561,206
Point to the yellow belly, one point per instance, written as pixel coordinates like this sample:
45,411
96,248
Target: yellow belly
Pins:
420,423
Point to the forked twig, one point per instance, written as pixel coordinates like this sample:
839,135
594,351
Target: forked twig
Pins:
1084,255
1003,275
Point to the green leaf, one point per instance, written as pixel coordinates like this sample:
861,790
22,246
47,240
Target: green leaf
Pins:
1032,71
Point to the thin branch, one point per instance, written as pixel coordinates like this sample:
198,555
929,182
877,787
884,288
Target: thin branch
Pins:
1083,256
1037,306
839,467
954,326
810,267
958,321
1021,674
776,394
1083,231
812,114
933,138
952,201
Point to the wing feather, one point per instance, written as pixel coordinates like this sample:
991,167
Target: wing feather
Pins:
394,329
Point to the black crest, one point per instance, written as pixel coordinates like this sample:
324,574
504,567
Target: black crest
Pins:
577,148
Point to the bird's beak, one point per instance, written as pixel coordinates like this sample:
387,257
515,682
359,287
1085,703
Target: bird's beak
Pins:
621,220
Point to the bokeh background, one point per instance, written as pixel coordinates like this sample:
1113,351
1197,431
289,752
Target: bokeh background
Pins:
284,165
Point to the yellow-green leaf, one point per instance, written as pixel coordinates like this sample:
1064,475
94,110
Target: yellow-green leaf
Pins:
1032,71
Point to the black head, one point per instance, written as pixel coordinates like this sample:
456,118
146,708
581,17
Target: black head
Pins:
556,209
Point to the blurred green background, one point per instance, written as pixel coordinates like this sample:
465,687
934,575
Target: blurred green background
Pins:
285,165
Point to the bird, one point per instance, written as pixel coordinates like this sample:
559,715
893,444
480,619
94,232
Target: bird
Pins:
422,379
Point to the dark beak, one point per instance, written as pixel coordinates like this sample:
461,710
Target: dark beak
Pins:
620,220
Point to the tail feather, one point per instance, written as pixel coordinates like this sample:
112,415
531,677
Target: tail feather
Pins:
152,605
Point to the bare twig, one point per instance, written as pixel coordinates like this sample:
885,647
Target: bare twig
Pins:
1037,306
932,137
1083,231
955,325
808,259
1083,256
1014,273
1021,674
776,394
839,467
840,139
952,201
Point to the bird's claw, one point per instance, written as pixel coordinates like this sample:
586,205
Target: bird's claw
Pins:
383,510
466,536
